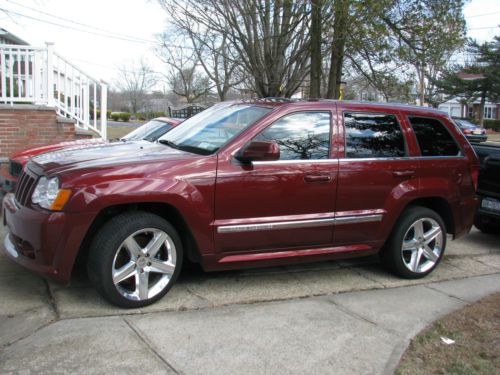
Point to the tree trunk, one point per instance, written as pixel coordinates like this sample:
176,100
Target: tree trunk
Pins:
337,48
481,107
316,60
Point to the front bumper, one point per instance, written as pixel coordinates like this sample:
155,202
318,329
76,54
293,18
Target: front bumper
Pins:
43,241
477,137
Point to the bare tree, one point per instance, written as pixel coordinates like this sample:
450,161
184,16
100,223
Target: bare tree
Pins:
135,80
270,39
183,73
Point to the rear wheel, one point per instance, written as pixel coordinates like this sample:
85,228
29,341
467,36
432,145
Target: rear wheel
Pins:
134,259
417,243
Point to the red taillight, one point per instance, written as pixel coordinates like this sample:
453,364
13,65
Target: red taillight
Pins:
474,174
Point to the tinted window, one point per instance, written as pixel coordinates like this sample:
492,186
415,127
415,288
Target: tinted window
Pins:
304,135
369,135
433,138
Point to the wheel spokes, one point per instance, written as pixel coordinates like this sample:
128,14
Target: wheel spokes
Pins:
124,272
432,234
421,246
430,254
142,284
161,267
155,244
144,264
132,247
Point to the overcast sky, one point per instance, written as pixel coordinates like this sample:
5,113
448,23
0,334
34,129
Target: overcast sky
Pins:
137,21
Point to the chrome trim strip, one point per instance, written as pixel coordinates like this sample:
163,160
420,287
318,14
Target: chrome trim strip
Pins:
296,161
9,246
357,219
402,158
299,224
275,225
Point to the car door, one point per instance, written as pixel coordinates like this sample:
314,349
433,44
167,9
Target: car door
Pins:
376,174
287,203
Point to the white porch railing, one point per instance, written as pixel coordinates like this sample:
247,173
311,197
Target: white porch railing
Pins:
40,76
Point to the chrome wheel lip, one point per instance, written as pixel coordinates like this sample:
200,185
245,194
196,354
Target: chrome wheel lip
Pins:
143,263
423,243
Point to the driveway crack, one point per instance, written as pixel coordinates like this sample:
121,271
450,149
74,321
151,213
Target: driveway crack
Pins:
150,346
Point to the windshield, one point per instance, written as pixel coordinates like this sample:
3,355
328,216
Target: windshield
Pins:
209,130
464,123
150,131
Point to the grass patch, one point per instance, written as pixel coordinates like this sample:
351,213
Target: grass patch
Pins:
476,351
115,132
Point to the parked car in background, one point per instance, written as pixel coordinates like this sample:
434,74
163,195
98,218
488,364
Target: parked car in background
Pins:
488,215
471,131
247,184
150,131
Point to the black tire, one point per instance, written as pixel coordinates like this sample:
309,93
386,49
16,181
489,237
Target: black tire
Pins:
485,227
399,261
107,250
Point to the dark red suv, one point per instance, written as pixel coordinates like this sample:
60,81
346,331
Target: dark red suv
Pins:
246,184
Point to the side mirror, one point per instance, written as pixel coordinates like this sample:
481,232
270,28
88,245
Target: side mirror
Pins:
259,151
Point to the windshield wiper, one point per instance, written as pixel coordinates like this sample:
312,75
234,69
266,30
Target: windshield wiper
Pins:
168,143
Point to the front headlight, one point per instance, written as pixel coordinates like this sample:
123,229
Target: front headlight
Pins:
48,195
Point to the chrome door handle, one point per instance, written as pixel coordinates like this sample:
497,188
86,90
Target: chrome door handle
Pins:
317,178
404,173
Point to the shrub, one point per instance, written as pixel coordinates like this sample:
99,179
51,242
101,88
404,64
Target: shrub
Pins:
492,124
108,113
141,116
125,116
115,116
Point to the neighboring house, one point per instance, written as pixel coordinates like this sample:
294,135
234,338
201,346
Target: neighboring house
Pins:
459,108
8,38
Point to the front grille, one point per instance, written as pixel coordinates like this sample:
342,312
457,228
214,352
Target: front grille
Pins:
25,187
15,169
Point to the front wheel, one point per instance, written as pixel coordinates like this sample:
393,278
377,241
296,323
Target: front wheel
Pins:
417,243
134,259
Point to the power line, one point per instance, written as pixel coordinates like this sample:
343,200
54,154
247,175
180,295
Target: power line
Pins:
484,28
481,15
77,22
125,38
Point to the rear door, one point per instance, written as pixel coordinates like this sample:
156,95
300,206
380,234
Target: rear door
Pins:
375,172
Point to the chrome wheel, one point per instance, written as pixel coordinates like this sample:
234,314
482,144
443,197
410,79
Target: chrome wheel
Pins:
422,245
144,264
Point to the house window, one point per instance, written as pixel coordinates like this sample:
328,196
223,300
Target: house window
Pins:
488,112
470,112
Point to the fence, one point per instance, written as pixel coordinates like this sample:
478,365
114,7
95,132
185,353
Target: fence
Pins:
38,75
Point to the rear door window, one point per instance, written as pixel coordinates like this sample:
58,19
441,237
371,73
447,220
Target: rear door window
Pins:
373,135
433,138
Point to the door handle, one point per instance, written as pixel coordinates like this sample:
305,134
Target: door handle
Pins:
404,173
317,178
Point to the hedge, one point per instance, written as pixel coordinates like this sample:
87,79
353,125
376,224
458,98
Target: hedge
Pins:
124,116
492,124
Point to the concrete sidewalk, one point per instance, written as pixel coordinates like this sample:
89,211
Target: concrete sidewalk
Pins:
330,317
358,333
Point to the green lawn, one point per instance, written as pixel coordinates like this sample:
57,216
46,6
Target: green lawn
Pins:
494,137
119,131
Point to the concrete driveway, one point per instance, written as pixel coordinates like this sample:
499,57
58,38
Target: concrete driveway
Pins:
331,317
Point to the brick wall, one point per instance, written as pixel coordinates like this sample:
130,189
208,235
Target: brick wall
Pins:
24,125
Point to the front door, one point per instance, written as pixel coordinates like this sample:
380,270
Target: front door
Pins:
288,203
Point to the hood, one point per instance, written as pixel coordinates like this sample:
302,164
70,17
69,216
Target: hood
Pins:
32,151
106,155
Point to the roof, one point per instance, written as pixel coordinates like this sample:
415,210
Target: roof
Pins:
11,38
470,76
349,103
